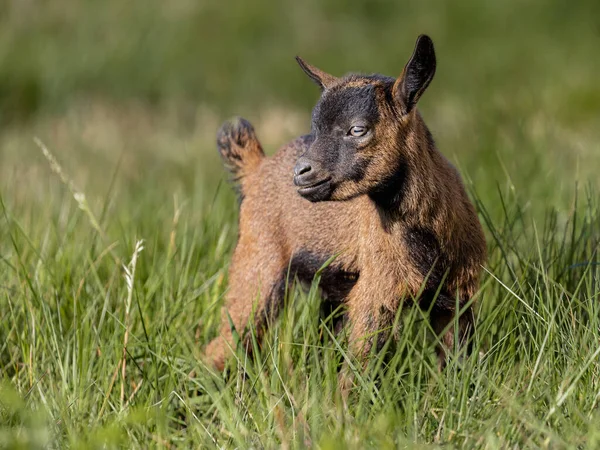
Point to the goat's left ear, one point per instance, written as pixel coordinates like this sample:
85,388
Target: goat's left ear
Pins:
416,76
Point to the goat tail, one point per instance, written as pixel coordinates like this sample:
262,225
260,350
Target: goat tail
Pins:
239,147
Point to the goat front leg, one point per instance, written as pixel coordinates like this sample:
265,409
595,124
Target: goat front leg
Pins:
372,309
443,323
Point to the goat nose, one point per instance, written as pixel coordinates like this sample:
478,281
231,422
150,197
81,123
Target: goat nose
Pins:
302,167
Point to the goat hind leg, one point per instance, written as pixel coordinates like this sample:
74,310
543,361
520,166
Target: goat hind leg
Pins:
256,289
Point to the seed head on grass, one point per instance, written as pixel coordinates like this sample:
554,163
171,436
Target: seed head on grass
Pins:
129,279
78,195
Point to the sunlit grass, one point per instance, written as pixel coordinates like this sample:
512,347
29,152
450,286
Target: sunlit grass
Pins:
102,357
108,114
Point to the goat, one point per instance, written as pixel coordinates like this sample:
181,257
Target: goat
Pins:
368,185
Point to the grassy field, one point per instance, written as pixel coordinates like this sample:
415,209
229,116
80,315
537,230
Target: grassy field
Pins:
117,225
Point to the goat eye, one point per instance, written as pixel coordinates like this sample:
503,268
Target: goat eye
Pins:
357,131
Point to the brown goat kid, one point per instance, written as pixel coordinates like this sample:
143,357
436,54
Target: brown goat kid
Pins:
371,188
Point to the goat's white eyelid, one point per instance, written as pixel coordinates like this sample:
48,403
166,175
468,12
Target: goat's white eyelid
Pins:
358,130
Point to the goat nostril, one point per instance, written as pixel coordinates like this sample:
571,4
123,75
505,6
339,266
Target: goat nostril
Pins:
302,169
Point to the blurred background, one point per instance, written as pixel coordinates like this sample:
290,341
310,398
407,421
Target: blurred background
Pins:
130,94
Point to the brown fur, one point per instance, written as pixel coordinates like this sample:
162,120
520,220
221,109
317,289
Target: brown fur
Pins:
402,227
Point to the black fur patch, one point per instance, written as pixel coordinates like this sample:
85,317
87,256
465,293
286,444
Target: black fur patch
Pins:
339,107
426,255
335,282
389,193
357,170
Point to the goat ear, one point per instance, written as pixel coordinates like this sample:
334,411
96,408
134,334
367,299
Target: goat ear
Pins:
323,79
416,76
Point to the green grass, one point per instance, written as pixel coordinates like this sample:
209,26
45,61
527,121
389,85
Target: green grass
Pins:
534,378
127,96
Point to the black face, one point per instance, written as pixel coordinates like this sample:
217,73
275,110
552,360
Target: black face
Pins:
356,128
343,126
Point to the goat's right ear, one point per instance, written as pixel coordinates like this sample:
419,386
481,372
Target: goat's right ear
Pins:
323,79
416,76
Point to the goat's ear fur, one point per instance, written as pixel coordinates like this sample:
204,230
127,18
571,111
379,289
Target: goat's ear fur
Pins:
416,76
323,79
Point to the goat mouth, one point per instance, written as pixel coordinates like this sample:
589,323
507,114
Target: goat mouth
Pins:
310,187
314,188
